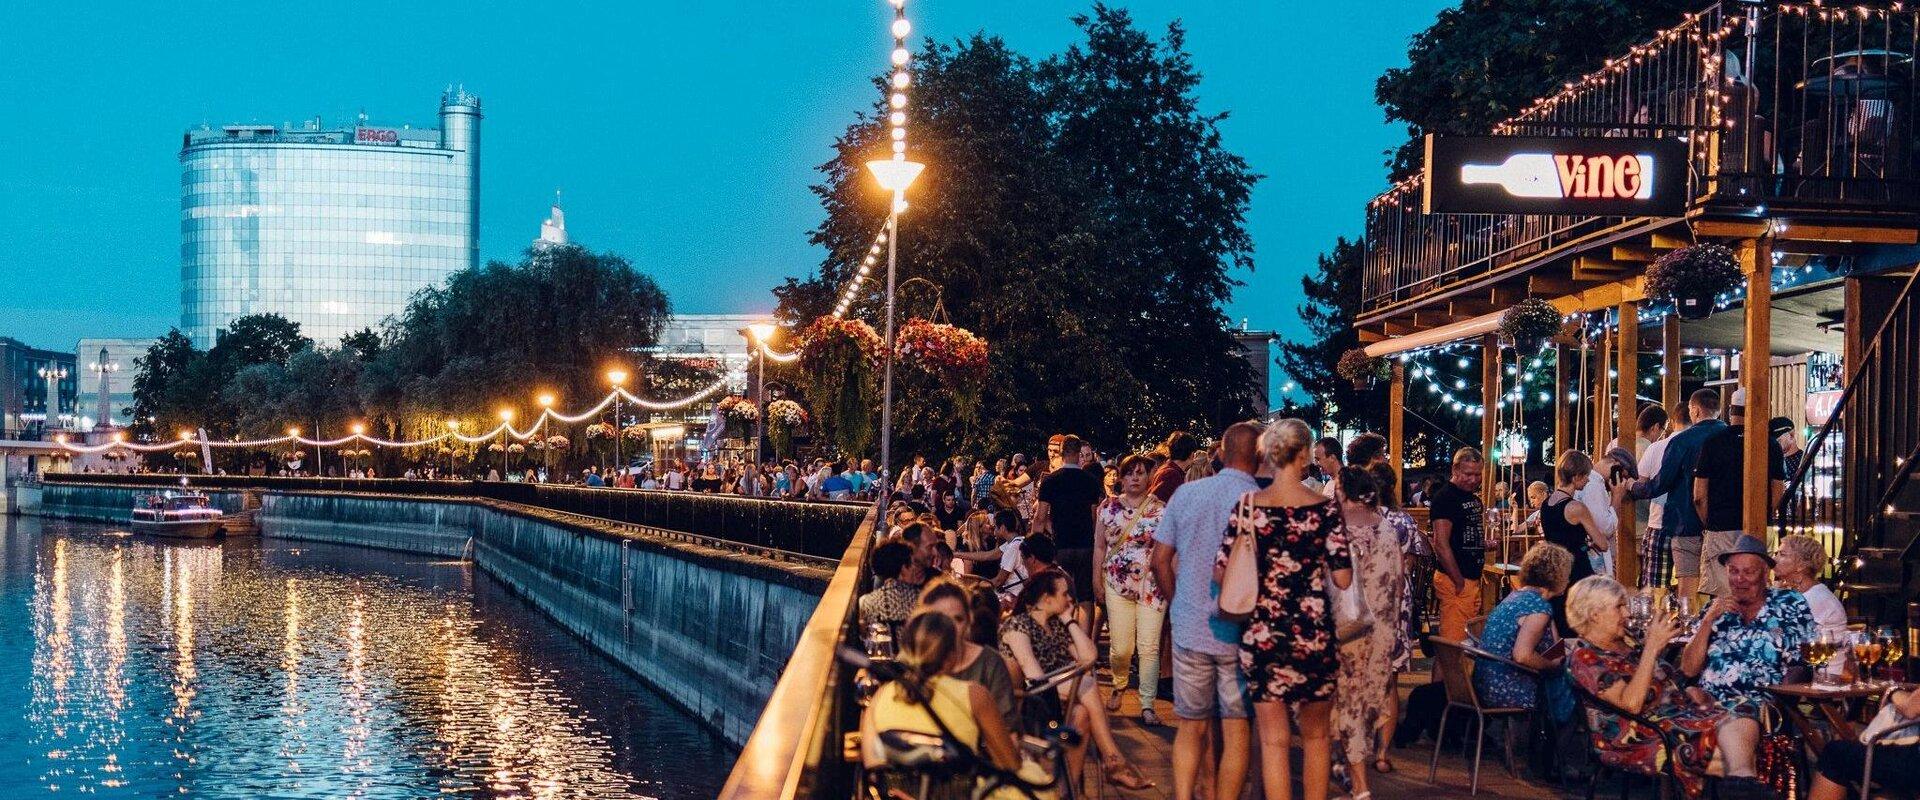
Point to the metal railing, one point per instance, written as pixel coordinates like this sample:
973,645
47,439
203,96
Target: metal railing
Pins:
816,529
1786,105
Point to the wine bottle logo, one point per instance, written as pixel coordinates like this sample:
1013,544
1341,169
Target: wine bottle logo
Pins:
1560,176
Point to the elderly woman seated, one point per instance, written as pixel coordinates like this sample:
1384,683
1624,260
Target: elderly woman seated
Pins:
1521,628
1709,739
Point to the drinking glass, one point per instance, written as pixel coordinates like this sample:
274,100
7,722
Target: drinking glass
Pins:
1891,648
1639,613
1820,654
1861,647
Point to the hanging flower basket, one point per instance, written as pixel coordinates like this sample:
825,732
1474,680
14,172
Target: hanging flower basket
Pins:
496,448
737,413
1693,277
1355,365
558,442
839,359
516,448
784,417
953,356
1529,324
185,454
634,433
600,430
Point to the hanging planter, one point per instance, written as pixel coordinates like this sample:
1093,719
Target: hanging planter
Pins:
1355,365
600,430
516,448
839,358
738,413
952,355
1529,324
784,417
558,442
1693,277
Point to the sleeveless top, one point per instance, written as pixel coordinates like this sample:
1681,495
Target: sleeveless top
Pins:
893,711
1570,535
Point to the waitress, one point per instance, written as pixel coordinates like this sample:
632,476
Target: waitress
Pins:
1569,523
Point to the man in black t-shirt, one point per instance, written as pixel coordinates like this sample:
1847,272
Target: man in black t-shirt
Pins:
1064,509
1719,492
1459,523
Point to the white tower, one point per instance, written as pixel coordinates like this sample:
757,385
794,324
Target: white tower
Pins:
553,229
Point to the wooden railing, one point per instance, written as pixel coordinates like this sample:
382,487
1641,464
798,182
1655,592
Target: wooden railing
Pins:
1782,107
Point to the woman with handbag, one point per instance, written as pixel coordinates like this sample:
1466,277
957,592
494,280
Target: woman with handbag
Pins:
1136,610
1366,698
1283,555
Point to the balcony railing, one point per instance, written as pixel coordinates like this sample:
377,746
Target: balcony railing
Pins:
1783,107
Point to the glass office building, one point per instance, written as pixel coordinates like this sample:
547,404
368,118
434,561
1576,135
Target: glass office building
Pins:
333,228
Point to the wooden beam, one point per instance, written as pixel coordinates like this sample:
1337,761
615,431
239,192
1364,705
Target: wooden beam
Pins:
1489,422
1602,393
1599,266
1845,233
1369,336
1470,307
1733,229
1756,259
1433,318
1626,551
1642,255
1561,429
1663,241
1396,328
1547,286
1502,296
1397,427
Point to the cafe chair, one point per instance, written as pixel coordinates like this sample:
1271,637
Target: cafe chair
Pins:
1476,629
1905,735
1456,670
1592,706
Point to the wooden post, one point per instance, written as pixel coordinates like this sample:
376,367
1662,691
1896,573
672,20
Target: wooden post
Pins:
1602,410
1397,427
1756,260
1489,422
1670,361
1626,553
1561,408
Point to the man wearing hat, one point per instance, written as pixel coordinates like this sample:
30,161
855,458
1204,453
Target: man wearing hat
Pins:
1783,431
1719,492
1749,637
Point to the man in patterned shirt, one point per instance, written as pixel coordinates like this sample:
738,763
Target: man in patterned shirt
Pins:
892,601
1749,638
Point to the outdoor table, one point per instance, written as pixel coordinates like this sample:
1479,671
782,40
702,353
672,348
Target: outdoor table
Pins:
1831,703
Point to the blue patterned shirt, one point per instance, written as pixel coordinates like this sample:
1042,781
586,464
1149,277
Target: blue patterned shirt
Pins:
1194,524
1743,658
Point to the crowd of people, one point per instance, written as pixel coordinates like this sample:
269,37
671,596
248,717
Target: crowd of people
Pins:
1015,557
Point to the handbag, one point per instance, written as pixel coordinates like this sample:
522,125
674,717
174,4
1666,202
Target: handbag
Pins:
1352,619
1240,580
1776,760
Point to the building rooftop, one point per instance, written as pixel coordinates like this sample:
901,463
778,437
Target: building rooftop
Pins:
314,131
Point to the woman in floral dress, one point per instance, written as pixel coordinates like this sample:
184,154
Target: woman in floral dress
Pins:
1606,665
1136,610
1361,710
1287,650
1413,548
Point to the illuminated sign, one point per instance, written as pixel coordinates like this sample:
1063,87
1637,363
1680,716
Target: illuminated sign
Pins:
1634,177
376,136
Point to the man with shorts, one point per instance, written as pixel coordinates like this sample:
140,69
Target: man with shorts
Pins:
1459,544
1719,491
1206,650
1674,487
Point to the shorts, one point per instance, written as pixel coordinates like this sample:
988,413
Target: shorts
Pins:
1455,607
1686,556
1207,685
1656,559
1077,562
1713,575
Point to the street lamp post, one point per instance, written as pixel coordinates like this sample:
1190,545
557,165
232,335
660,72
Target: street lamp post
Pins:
546,453
506,423
894,175
453,430
617,377
759,332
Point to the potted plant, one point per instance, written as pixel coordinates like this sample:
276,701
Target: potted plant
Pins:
1693,277
839,364
1355,365
952,355
1529,324
784,417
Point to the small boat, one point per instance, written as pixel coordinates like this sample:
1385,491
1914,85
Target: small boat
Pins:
186,514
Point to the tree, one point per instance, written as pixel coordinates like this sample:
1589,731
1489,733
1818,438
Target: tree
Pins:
1332,299
159,384
1482,62
1025,222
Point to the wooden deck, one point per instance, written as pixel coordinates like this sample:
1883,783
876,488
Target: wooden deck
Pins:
1152,750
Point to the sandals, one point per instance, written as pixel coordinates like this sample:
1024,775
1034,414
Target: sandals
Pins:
1113,701
1383,765
1148,718
1125,775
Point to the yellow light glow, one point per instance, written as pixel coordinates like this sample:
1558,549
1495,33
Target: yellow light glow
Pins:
453,424
899,56
898,100
546,400
186,435
118,436
293,431
617,377
358,429
761,331
506,415
901,27
901,80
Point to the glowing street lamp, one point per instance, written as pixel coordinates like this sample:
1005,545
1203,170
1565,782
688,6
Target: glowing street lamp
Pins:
506,422
760,332
618,378
893,175
546,407
453,429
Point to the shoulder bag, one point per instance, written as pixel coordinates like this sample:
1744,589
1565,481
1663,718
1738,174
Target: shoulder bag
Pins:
1351,617
1240,581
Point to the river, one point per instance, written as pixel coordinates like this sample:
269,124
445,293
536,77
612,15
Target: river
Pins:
135,667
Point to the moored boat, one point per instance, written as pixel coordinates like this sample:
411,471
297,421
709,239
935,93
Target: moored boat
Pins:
177,513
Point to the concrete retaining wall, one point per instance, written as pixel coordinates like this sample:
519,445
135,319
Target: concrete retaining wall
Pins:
712,630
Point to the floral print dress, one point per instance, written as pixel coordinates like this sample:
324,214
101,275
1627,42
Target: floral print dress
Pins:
1366,676
1129,534
1628,745
1412,543
1287,649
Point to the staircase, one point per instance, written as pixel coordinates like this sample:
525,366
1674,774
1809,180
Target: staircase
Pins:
1855,488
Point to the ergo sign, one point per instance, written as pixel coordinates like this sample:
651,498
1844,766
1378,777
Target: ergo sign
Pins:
1554,175
376,136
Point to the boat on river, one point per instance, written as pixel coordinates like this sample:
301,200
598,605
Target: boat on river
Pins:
186,514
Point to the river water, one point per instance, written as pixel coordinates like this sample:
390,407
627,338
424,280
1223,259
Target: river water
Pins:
134,667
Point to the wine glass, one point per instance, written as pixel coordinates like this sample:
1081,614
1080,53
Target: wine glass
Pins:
1826,645
1891,648
1639,613
1861,646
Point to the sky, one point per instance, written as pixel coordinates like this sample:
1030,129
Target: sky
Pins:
682,135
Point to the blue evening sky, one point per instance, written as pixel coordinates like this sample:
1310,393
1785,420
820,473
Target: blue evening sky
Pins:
684,135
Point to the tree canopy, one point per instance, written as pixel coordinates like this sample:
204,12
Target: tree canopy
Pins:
1080,213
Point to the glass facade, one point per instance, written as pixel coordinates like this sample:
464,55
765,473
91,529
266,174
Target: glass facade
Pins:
333,229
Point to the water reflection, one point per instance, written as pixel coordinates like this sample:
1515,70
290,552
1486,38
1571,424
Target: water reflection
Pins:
273,669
